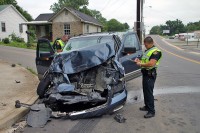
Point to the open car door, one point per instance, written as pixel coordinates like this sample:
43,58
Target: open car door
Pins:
132,50
44,56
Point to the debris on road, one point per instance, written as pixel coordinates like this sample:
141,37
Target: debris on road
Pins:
18,104
13,65
39,115
136,98
119,118
17,81
3,104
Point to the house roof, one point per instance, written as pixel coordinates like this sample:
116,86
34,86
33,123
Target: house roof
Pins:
44,17
84,17
3,7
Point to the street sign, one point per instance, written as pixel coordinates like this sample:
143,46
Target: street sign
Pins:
166,31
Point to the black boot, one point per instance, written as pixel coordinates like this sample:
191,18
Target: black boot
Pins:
149,115
143,108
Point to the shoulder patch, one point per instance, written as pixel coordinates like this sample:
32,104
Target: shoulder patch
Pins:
155,53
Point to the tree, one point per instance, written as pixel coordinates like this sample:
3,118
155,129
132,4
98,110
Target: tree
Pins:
14,3
76,4
114,25
193,26
97,15
24,13
175,26
5,2
126,26
155,30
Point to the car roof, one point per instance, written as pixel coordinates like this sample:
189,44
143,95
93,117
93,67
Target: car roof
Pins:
119,34
92,35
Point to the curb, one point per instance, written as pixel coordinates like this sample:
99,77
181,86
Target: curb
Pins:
16,114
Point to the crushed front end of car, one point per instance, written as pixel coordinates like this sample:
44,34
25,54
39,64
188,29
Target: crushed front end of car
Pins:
84,83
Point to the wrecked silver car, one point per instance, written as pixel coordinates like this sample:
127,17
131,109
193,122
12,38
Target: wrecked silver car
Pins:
87,78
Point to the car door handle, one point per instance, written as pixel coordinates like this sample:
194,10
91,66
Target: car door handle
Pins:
139,55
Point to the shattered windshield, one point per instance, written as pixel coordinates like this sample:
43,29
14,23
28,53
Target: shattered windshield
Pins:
81,42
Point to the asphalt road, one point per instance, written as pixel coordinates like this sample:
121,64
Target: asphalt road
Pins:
178,67
177,94
24,57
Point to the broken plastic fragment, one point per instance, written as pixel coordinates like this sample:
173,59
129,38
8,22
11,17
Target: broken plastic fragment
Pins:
119,118
38,115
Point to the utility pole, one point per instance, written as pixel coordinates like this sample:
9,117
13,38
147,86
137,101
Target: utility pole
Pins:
138,20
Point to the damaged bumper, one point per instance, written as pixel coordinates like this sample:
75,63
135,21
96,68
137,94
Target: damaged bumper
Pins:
115,103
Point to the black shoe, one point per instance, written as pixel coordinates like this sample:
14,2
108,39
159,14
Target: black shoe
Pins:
143,108
149,115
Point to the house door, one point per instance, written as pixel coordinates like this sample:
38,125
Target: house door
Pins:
42,31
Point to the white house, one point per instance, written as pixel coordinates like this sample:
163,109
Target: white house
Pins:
11,22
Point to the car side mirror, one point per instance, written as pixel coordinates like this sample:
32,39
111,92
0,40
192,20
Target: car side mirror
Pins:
129,50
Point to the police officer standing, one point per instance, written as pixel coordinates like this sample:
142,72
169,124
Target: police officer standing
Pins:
60,43
149,63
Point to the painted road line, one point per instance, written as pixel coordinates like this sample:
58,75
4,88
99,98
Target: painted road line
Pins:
185,58
171,45
195,53
163,39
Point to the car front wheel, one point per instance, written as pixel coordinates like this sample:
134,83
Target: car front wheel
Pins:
43,86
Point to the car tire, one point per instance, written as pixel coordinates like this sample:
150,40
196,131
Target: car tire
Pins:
43,87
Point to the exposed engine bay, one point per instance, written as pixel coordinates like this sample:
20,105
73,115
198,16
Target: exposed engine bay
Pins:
83,90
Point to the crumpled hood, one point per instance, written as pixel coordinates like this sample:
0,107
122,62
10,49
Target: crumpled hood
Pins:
82,59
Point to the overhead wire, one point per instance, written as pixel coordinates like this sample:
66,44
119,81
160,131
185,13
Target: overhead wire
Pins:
109,1
161,13
115,10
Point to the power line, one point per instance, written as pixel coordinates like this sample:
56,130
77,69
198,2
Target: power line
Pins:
105,5
160,12
114,10
109,3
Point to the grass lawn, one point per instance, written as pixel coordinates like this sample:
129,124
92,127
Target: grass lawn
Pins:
19,45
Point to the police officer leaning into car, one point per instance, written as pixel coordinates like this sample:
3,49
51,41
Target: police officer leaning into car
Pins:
60,43
149,63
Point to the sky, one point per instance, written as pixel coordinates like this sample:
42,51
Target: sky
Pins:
156,12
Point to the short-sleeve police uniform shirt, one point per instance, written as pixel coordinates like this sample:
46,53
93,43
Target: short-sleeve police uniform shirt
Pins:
155,55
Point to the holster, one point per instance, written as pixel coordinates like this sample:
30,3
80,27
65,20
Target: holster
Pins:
150,73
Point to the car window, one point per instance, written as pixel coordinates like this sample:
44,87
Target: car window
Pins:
131,41
44,47
82,42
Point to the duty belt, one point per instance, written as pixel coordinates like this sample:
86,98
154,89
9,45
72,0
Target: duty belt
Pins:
151,72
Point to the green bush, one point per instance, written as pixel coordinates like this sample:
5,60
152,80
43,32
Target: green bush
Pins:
6,40
15,38
19,39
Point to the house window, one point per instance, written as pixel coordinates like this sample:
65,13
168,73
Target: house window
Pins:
20,28
87,28
3,26
67,29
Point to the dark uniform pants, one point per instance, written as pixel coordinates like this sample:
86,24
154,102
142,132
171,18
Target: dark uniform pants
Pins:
148,86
